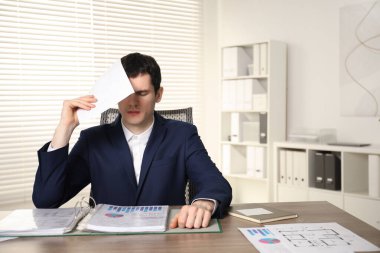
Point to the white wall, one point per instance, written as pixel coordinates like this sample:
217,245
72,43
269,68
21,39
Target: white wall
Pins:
211,89
311,30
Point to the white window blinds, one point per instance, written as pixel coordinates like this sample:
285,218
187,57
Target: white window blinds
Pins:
55,50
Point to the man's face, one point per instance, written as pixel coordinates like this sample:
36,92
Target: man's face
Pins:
137,109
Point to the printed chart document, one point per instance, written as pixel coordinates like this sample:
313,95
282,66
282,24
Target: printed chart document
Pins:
261,214
41,221
306,238
111,218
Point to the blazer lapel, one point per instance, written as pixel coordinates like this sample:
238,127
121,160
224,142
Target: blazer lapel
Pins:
122,150
155,139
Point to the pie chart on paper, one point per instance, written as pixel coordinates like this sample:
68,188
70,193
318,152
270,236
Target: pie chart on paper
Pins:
269,240
114,215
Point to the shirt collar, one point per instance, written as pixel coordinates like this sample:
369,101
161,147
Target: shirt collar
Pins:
142,137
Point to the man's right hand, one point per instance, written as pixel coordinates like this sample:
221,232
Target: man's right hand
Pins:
69,119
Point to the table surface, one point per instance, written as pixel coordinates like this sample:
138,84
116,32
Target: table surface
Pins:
231,240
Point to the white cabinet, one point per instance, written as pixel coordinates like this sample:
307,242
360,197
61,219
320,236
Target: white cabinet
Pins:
354,172
366,209
253,116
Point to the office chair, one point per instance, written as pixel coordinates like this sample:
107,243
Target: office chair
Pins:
185,114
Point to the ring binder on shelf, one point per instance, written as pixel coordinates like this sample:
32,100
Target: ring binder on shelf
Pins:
327,171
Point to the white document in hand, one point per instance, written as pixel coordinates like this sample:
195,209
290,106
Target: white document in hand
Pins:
110,89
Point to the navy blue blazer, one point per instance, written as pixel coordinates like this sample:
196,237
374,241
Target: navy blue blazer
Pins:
174,154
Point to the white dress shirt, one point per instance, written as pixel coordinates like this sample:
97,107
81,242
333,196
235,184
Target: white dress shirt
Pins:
137,144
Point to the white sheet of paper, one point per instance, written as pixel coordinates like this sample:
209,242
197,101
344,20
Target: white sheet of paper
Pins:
306,238
110,89
254,211
264,240
2,239
54,221
128,218
320,237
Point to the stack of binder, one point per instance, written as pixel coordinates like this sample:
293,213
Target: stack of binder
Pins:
236,61
293,167
327,171
256,161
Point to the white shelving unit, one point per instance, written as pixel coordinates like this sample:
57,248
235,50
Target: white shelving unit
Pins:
359,193
253,115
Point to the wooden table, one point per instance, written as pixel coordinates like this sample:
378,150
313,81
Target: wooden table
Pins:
231,240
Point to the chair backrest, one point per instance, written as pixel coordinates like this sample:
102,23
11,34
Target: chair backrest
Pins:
109,116
184,114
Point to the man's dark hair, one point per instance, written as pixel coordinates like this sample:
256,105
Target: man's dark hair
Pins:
136,63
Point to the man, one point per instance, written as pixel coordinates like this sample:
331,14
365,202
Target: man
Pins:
140,159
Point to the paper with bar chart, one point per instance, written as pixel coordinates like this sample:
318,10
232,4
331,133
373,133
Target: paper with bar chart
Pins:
111,218
264,240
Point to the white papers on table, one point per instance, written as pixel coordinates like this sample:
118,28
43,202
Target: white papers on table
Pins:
306,238
264,240
110,218
57,221
2,239
110,89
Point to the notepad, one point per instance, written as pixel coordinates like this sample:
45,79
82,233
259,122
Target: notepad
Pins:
113,218
261,214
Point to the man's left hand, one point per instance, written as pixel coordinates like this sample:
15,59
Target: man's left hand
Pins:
196,215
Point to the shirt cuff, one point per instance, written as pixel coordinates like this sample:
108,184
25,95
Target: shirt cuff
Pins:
213,200
50,148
